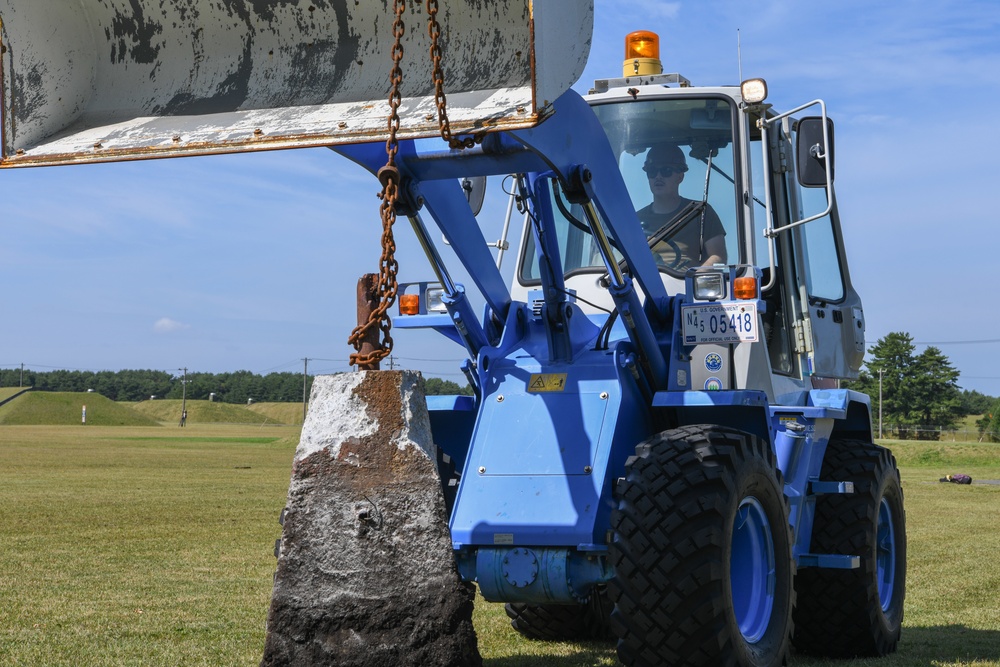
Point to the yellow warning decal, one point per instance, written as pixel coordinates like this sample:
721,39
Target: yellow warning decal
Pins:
539,382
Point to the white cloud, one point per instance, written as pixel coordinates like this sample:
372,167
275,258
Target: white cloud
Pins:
655,9
167,325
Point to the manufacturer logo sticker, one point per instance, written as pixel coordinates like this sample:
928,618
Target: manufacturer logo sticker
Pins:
713,362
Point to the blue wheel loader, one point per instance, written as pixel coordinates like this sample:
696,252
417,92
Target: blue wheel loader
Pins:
658,449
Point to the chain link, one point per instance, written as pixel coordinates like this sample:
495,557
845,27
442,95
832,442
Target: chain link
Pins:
434,30
389,178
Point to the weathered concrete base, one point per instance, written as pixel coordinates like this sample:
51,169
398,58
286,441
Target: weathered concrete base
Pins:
366,575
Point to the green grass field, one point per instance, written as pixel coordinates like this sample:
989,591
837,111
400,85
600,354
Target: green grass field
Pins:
153,546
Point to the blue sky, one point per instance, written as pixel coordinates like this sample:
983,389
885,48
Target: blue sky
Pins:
250,261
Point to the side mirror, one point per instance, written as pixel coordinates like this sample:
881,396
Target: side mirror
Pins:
811,150
475,192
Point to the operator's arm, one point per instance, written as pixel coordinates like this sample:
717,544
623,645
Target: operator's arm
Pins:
714,250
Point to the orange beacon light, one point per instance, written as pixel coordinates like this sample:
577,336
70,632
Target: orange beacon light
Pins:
642,54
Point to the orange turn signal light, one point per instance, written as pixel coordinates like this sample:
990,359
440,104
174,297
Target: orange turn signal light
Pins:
409,304
745,287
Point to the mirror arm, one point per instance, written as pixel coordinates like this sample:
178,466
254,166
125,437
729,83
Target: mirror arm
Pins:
771,232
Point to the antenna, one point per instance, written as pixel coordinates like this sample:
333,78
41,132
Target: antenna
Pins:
739,54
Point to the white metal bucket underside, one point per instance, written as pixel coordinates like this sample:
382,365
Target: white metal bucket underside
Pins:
103,80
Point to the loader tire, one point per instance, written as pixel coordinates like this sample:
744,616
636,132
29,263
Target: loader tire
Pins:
847,613
561,622
701,551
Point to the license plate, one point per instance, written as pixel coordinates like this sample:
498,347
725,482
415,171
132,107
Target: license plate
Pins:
720,323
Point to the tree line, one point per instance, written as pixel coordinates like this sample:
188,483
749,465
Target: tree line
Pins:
143,385
918,394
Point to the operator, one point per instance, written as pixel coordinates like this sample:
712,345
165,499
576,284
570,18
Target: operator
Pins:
698,241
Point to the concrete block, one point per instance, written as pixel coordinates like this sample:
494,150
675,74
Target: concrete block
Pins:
366,574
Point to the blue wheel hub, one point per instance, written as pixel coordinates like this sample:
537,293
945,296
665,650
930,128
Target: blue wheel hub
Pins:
885,554
752,570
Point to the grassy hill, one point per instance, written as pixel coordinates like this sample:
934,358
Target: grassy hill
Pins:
58,408
280,413
7,392
199,412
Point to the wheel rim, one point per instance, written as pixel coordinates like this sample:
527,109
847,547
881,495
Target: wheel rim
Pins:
752,570
885,554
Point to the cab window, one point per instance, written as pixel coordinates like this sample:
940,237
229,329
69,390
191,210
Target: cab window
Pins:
676,158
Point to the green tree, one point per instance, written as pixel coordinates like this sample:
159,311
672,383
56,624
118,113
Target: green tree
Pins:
885,375
916,390
282,387
937,398
12,377
989,425
975,403
439,387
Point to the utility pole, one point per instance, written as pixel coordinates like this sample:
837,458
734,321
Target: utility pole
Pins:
184,395
305,380
880,371
21,383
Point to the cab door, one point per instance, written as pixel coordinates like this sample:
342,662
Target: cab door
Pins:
830,333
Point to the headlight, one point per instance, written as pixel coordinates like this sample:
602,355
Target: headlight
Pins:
434,300
754,91
709,286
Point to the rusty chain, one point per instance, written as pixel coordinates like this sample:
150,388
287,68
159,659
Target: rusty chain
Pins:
434,30
388,176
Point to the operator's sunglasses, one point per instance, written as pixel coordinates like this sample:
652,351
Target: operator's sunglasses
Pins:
667,170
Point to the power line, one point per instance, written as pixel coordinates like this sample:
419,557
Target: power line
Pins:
959,342
287,364
305,379
27,366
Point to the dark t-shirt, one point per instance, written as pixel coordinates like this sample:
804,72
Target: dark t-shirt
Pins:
688,238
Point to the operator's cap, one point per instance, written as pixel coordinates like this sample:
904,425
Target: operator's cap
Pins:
666,154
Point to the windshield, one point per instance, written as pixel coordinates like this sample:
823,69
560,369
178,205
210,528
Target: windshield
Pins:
676,157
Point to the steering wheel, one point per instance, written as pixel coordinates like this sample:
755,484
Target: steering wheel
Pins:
678,255
692,211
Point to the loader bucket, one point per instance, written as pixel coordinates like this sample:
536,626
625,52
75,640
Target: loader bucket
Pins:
108,80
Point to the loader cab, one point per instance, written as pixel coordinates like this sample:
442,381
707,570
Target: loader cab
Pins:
680,159
752,186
